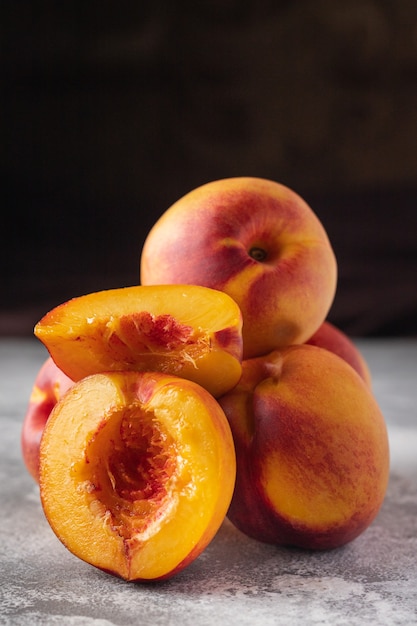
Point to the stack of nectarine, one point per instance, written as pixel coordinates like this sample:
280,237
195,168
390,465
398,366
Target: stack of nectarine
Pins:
215,387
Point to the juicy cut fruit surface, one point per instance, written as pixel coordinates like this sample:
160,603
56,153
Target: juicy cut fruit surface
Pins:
187,330
137,471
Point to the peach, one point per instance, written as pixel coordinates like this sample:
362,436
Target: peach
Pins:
186,330
257,241
49,386
311,449
146,474
331,338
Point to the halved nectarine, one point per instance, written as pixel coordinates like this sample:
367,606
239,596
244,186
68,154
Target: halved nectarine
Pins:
186,330
137,471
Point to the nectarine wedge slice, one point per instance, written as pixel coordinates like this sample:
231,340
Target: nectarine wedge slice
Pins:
137,471
186,330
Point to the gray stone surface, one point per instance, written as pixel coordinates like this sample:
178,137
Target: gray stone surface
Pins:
236,580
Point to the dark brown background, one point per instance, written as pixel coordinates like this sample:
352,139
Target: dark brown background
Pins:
112,111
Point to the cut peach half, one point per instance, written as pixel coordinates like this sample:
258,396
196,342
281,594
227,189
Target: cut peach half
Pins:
137,471
186,330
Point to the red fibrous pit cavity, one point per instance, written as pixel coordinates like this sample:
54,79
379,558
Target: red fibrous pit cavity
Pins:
129,473
144,333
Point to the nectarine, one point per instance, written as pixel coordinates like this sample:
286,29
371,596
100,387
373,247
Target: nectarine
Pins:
331,338
136,472
311,447
257,241
49,386
187,330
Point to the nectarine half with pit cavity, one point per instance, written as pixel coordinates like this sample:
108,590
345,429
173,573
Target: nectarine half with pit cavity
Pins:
137,470
186,330
311,449
259,242
49,386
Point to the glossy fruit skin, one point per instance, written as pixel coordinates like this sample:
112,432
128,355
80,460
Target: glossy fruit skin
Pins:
331,338
259,242
312,449
146,476
49,386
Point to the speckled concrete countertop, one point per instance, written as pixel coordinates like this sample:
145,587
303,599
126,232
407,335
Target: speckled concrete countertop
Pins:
237,580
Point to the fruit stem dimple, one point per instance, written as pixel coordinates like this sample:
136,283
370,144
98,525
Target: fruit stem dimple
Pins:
258,254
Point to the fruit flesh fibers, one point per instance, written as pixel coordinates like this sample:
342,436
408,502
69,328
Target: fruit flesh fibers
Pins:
137,472
189,331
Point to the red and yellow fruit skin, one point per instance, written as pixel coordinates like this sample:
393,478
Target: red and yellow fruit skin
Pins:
49,386
215,236
146,474
311,446
331,338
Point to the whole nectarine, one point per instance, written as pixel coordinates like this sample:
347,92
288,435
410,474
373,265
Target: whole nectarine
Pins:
259,242
331,338
49,386
311,446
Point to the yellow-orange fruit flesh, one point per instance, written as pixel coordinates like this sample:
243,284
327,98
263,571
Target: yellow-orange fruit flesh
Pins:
136,472
186,330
